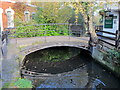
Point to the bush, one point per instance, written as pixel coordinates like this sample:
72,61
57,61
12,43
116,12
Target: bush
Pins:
40,30
23,83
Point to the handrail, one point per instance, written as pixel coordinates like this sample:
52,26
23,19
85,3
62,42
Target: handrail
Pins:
45,24
107,42
107,37
116,37
105,32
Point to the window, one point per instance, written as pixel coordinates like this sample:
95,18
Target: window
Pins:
10,17
33,15
27,16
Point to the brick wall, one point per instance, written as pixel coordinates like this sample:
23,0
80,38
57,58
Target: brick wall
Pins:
4,5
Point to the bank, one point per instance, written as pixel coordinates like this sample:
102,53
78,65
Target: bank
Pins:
107,51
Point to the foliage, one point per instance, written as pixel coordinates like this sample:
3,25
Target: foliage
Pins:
19,9
20,83
85,8
40,30
80,19
113,54
6,85
50,12
57,12
54,55
23,83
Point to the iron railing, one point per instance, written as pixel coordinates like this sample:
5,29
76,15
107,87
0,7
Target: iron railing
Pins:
37,30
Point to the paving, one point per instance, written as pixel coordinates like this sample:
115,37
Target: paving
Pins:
10,64
30,41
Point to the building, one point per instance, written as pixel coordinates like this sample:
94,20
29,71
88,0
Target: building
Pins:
111,18
9,9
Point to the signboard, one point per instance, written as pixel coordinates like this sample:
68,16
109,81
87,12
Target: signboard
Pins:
108,21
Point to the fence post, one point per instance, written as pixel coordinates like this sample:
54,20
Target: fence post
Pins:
7,38
69,31
45,33
117,39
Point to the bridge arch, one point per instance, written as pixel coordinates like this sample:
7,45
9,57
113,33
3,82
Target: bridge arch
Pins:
29,60
32,49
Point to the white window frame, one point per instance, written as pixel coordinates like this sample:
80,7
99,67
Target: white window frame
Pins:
11,19
27,15
1,21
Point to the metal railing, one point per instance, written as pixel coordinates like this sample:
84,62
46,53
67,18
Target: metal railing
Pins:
38,30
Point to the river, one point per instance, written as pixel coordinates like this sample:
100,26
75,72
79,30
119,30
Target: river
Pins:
78,70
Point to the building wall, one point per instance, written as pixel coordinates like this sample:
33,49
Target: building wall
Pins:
114,8
6,4
115,24
19,9
1,25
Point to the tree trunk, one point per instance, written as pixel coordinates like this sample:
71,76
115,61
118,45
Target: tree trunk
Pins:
93,36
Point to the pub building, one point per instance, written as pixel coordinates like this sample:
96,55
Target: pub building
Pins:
111,18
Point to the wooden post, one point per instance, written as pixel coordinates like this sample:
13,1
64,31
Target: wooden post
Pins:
118,35
116,40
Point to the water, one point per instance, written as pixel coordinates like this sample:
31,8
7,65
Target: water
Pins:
78,72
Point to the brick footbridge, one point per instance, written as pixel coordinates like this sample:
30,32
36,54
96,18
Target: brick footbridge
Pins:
29,45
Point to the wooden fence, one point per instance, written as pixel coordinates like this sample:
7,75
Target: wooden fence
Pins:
112,41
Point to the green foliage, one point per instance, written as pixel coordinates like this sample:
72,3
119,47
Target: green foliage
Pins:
48,12
114,54
23,83
54,55
6,85
40,30
80,19
20,83
53,13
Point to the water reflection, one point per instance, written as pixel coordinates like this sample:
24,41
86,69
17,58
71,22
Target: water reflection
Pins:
76,78
87,75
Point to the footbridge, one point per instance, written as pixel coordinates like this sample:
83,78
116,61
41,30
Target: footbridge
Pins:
29,45
21,41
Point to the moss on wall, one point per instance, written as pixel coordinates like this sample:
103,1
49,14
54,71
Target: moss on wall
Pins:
109,58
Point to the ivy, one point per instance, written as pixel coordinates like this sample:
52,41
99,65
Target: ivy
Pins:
113,56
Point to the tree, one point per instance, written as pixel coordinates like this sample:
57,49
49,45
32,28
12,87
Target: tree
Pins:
86,9
50,12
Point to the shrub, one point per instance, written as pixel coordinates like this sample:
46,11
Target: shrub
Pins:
40,30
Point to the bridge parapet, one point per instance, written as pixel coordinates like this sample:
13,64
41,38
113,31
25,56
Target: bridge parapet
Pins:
26,45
